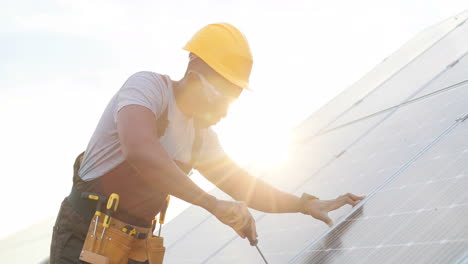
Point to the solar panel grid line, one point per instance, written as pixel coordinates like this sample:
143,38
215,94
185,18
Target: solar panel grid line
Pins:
393,176
408,212
446,89
422,183
445,241
463,118
461,23
454,205
388,78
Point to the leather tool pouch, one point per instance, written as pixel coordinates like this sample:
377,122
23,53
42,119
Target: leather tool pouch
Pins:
116,246
113,248
155,249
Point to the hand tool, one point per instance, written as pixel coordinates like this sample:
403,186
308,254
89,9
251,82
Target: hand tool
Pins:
100,199
112,205
162,214
132,231
254,242
129,229
263,257
154,222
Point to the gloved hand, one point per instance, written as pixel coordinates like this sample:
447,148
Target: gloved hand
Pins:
319,209
237,216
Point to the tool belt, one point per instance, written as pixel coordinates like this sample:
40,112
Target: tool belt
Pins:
118,242
121,242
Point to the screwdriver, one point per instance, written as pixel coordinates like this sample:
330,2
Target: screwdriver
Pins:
112,205
163,214
254,242
259,251
100,201
154,222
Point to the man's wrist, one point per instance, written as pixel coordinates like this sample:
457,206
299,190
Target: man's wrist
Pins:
303,200
208,202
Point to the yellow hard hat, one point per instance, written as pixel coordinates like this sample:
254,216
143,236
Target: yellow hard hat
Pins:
226,50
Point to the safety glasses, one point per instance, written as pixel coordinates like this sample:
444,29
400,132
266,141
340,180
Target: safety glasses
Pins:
212,94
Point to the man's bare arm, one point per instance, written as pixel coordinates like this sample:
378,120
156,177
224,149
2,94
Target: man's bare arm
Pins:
261,196
141,147
242,186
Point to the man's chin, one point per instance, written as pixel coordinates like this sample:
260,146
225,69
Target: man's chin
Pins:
203,123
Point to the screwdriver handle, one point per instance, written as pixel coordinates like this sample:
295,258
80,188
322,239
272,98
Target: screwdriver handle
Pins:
162,214
247,231
153,224
100,199
111,207
113,202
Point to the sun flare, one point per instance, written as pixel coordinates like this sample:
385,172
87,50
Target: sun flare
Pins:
252,136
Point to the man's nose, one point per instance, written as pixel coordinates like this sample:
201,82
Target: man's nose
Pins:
224,112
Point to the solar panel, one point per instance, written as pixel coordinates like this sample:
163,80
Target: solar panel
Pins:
420,217
403,145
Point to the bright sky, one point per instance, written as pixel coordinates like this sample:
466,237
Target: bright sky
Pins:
61,61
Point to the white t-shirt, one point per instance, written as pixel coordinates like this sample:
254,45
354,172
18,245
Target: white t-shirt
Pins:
155,92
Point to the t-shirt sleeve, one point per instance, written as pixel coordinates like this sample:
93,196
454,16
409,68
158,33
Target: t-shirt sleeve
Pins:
147,89
211,149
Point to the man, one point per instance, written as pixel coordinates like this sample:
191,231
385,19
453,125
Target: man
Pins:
154,131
